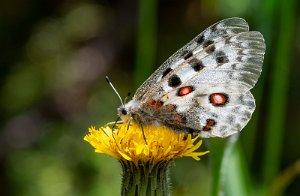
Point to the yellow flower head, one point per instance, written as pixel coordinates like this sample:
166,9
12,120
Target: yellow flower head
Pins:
128,143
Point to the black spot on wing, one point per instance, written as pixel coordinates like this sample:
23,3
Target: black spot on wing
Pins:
200,40
168,70
221,57
210,49
207,43
174,81
214,28
196,64
187,54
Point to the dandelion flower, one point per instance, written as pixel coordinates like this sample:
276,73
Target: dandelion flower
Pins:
144,153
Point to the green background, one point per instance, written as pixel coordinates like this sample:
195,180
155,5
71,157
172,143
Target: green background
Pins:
54,56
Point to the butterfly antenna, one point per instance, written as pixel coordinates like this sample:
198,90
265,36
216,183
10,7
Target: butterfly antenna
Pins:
112,86
128,125
128,94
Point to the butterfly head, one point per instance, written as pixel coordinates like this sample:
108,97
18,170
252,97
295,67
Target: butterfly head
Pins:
125,111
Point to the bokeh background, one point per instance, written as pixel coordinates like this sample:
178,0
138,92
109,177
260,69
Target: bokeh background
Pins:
53,59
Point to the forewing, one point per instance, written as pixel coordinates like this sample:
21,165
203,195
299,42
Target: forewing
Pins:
201,44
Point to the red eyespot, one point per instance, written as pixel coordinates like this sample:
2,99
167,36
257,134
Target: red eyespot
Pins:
156,104
218,99
209,123
206,128
151,102
185,90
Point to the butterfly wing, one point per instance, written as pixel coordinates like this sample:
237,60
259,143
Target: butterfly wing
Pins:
203,42
208,81
198,114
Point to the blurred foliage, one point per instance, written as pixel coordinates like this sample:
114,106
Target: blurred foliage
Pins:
53,60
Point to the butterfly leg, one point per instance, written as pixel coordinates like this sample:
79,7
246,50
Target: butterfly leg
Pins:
128,124
116,123
143,133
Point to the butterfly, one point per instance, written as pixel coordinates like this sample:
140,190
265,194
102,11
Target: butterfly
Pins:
203,87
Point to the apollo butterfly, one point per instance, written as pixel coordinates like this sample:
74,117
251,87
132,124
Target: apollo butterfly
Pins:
203,87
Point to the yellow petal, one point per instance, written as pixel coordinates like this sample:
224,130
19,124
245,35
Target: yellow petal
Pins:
128,143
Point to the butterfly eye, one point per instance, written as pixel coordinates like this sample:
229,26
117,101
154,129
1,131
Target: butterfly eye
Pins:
123,111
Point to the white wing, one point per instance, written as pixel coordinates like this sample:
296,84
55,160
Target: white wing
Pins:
223,62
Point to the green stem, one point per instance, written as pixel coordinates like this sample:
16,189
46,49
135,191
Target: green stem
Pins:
217,148
278,91
145,179
229,175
